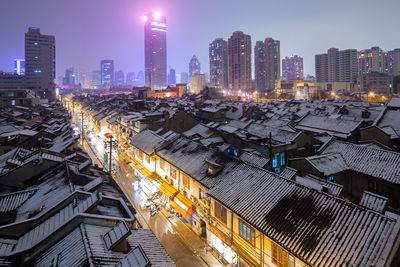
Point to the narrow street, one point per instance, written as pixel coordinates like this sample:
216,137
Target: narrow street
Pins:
183,245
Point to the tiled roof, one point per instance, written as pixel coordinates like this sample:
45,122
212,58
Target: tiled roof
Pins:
373,201
12,201
320,229
375,162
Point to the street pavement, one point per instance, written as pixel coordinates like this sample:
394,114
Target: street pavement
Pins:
184,246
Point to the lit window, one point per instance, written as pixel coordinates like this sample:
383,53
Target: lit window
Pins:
202,194
282,159
13,102
10,93
331,178
275,161
162,164
186,181
220,212
172,172
247,232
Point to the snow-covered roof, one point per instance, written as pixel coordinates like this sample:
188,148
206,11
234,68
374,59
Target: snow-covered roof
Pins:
375,162
373,201
318,228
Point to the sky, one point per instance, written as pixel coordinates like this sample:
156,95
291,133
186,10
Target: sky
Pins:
88,31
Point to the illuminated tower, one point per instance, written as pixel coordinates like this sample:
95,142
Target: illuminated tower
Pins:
155,50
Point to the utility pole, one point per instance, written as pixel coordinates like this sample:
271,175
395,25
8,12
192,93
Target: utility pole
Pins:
109,168
82,130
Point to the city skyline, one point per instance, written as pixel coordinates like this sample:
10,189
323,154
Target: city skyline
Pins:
127,27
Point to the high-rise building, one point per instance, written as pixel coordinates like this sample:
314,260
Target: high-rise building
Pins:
348,65
197,83
96,79
273,62
292,68
40,63
184,77
392,62
171,76
19,66
333,65
140,78
260,70
69,78
218,55
107,73
239,61
130,78
321,68
155,50
267,64
336,66
194,66
371,60
119,78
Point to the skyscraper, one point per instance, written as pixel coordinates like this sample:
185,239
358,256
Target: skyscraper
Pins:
292,68
96,79
370,60
267,64
321,68
19,66
273,62
155,50
69,78
194,66
239,61
130,78
140,78
171,76
107,73
184,77
119,78
260,70
348,65
392,62
336,66
40,62
218,55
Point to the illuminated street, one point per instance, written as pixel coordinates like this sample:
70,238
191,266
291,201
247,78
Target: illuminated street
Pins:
184,246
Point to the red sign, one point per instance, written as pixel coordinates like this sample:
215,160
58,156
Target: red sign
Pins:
108,135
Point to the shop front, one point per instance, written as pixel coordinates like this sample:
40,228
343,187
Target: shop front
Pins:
145,188
182,204
222,245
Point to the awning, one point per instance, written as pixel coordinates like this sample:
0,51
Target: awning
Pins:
221,235
167,189
183,205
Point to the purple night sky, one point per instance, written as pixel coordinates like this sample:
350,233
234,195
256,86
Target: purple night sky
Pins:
90,30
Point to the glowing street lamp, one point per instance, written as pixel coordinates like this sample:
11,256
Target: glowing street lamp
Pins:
156,15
